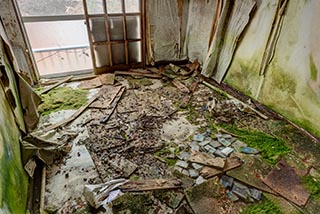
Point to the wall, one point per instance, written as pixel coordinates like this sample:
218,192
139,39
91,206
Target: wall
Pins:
13,179
291,85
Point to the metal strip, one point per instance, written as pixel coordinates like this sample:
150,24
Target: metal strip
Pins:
27,19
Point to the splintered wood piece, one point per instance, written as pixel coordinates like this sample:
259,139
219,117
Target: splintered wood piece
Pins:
113,104
180,86
231,163
186,99
284,180
206,159
155,76
56,85
155,70
148,185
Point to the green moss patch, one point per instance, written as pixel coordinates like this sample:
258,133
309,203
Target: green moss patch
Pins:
313,185
62,98
313,69
272,148
266,206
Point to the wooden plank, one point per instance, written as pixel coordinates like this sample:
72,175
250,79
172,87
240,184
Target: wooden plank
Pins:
56,85
207,160
147,185
113,103
155,76
180,86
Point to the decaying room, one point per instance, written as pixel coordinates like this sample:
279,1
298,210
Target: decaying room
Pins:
159,106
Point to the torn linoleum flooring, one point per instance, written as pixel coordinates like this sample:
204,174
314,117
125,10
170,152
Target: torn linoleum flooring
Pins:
150,141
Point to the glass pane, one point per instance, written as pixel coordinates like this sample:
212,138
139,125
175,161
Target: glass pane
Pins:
133,27
132,6
134,52
57,34
52,62
116,28
50,7
98,29
95,6
102,56
118,54
114,6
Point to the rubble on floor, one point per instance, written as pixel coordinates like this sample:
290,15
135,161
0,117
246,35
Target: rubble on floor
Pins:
169,144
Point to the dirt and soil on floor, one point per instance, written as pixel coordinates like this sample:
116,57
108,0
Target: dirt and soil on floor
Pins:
175,145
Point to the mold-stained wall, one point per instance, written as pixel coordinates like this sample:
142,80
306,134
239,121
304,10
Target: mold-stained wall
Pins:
13,179
291,84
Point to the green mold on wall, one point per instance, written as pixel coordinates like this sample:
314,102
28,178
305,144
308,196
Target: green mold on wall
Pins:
13,179
313,69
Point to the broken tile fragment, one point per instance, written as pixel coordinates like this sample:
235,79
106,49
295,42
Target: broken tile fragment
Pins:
249,150
123,165
255,194
226,181
219,153
204,143
232,196
215,144
184,156
185,172
193,173
209,149
182,164
200,180
197,166
237,145
227,151
198,137
224,142
194,146
241,190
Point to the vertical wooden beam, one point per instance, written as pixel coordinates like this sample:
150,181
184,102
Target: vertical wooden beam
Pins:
124,22
106,19
143,8
90,36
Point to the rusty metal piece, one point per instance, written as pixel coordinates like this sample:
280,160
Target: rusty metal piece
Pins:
284,180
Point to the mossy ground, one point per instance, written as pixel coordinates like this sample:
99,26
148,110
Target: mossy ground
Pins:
313,185
266,206
62,98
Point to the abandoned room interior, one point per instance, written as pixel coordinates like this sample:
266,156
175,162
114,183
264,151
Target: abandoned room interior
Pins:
159,106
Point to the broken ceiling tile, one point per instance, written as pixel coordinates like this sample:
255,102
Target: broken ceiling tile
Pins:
226,181
206,159
227,151
249,150
107,79
209,149
198,137
182,164
284,180
185,172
